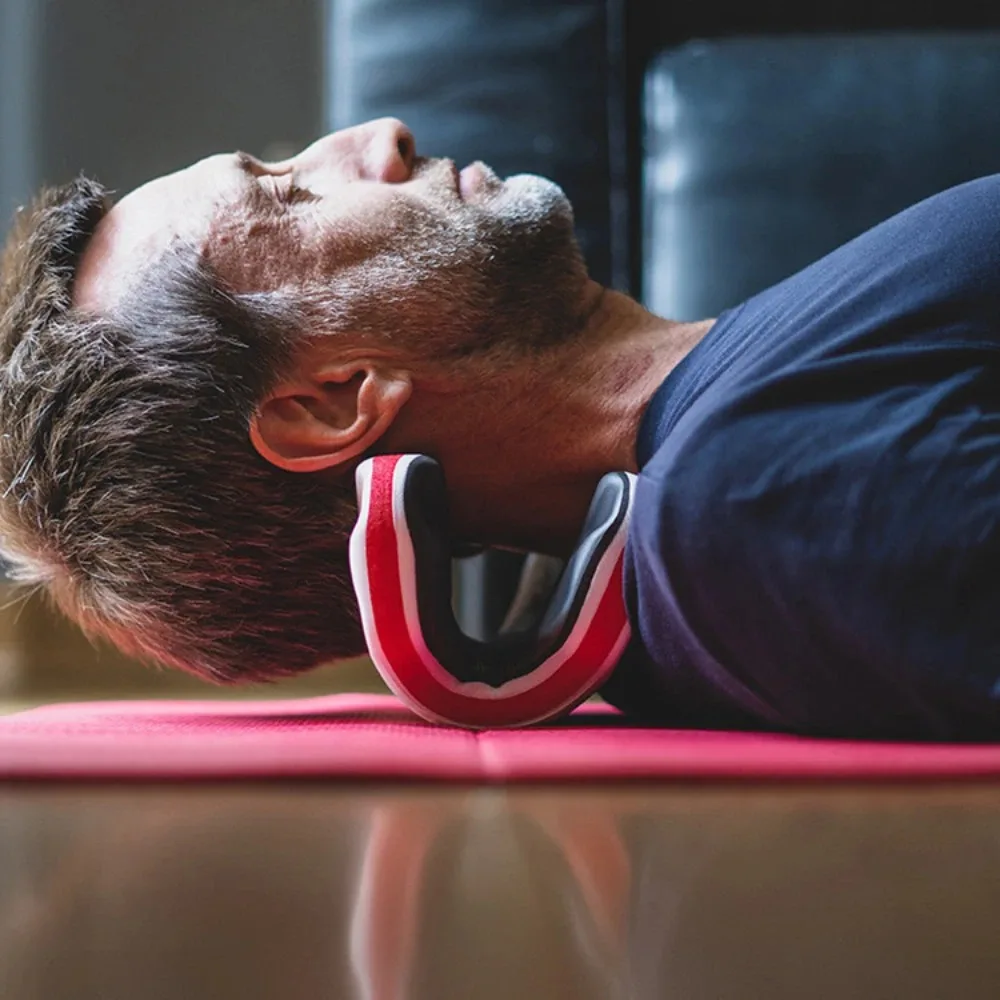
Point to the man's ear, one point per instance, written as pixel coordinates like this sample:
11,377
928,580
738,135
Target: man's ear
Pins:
328,417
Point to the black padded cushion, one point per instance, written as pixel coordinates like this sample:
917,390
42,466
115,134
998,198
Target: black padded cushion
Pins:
764,154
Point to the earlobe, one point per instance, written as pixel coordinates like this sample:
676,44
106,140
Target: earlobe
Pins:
329,418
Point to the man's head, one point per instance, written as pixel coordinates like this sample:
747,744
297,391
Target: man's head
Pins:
188,378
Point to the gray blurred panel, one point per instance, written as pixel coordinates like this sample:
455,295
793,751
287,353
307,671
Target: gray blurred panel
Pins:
18,86
126,90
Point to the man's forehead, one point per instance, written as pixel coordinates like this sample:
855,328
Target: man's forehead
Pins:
176,209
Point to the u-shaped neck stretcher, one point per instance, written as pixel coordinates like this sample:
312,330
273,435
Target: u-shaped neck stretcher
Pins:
401,566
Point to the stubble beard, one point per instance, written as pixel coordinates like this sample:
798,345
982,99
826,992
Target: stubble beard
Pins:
499,278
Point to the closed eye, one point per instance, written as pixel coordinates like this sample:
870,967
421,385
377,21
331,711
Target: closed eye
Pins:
280,187
292,194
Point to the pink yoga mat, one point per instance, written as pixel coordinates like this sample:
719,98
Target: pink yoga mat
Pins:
375,737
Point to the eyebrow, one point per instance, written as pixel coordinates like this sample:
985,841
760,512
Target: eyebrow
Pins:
246,162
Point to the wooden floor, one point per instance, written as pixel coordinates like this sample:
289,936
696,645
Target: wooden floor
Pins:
303,892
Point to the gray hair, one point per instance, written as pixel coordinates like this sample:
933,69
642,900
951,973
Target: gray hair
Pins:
129,489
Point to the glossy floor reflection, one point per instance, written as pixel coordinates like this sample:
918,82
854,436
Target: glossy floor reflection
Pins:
314,891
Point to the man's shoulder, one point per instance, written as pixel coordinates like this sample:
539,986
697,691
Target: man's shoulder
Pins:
959,224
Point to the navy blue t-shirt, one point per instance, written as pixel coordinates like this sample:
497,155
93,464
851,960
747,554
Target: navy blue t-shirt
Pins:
815,543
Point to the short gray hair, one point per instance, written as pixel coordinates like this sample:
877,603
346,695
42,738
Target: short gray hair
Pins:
129,488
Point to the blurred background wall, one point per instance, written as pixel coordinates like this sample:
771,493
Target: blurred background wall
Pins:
126,91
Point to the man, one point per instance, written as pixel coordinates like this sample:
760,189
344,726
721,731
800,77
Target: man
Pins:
189,379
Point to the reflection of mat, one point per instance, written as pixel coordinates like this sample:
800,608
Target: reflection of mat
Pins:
373,736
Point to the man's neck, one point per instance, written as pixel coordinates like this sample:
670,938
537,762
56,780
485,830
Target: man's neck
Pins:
524,448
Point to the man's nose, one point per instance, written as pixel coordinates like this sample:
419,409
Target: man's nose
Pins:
391,150
381,150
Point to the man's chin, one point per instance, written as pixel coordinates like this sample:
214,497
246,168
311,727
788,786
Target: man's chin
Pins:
529,198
